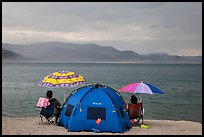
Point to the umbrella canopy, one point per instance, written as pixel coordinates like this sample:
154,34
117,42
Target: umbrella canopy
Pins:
141,87
62,79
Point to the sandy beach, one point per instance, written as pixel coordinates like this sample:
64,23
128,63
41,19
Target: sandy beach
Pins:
31,126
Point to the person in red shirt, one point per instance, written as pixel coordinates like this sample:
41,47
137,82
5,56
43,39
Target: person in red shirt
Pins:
134,110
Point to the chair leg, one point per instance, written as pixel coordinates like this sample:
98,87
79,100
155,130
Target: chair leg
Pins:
142,120
137,124
50,121
41,118
138,121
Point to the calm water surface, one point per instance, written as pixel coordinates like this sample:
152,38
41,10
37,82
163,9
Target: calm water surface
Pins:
182,84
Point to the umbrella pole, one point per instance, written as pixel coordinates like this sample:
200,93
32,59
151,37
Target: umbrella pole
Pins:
64,96
140,98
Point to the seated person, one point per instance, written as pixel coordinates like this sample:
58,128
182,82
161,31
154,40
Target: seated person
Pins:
134,110
53,102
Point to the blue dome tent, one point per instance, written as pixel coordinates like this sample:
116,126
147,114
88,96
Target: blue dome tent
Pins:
96,107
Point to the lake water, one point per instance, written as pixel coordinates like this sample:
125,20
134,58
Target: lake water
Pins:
182,84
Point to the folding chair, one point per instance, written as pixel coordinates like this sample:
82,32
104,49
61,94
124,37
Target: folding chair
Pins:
48,112
136,113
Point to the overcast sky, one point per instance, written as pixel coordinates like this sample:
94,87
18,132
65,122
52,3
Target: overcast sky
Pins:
174,27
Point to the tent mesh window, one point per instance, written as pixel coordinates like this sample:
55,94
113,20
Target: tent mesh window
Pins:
121,112
69,110
96,112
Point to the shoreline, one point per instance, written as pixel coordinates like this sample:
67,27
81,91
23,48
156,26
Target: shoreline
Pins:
31,126
120,62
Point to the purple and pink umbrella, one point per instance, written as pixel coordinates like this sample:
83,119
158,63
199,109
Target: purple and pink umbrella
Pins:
141,87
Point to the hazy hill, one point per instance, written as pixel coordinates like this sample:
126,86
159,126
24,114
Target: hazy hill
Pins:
69,52
10,55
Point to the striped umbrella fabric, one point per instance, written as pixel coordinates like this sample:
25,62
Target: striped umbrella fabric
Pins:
141,87
62,79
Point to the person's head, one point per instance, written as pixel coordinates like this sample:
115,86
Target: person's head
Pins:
133,99
49,94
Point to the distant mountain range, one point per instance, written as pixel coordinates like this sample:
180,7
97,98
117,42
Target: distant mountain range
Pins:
10,55
69,52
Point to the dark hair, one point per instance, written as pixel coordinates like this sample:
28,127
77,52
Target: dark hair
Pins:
133,99
49,94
